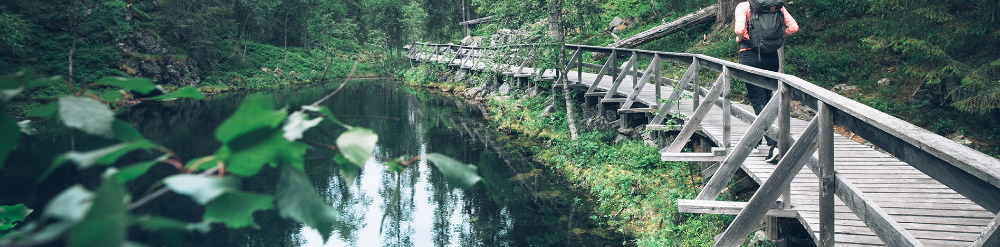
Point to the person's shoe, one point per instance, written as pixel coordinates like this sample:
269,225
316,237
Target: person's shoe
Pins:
774,158
770,152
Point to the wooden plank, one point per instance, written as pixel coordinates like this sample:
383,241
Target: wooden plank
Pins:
691,157
878,220
729,208
969,172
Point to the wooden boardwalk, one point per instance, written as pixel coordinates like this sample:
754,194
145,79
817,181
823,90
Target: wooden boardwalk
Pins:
889,202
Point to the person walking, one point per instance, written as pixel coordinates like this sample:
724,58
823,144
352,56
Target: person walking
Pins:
759,32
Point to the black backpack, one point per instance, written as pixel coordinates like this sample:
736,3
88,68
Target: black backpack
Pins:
766,22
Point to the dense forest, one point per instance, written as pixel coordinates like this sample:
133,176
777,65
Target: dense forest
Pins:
934,63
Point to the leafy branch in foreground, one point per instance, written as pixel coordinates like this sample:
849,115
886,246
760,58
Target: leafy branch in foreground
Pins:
257,136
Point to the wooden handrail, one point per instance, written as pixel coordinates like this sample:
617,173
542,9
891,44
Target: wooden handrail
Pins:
971,173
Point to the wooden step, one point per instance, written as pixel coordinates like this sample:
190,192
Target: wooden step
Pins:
728,208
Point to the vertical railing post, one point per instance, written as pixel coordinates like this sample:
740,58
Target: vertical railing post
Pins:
635,71
579,64
656,80
696,88
726,110
614,63
827,181
785,137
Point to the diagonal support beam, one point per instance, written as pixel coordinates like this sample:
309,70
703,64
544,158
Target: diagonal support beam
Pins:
630,65
879,221
642,83
699,115
768,193
690,75
740,152
990,237
609,65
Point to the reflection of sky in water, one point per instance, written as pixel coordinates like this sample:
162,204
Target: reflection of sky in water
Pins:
429,212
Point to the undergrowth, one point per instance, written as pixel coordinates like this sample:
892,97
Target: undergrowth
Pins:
633,191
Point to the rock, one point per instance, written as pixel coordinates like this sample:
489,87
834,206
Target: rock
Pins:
800,111
884,82
925,93
146,43
960,139
843,88
504,89
615,25
547,112
161,68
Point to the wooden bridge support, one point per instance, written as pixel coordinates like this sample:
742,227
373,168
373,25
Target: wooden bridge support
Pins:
975,175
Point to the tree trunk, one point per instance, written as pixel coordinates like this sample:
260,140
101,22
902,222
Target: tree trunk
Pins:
285,49
726,14
661,31
555,28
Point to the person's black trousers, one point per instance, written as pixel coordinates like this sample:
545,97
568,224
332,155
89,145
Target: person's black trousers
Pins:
760,96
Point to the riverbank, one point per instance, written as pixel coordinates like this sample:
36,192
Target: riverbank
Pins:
623,180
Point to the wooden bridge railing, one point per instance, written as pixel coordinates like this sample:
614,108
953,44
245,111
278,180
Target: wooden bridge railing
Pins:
971,173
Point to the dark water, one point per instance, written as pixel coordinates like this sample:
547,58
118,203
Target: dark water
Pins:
513,206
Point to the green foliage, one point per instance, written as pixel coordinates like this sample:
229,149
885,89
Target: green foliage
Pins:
297,199
633,191
15,32
256,134
236,208
106,222
11,215
201,189
415,19
458,174
8,136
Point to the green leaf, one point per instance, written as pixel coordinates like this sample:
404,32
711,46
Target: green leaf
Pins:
348,171
49,110
106,221
70,204
394,166
297,124
141,85
86,114
136,170
184,92
235,209
357,145
249,153
111,96
202,189
125,132
327,113
254,113
458,173
156,224
105,156
297,200
9,136
10,215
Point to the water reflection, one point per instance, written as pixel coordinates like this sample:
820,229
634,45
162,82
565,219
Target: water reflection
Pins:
415,207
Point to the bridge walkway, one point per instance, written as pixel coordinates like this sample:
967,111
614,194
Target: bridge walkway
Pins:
888,201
